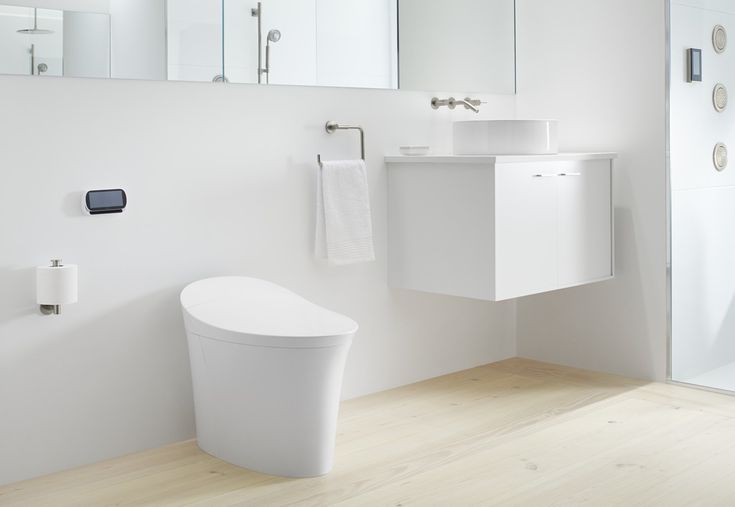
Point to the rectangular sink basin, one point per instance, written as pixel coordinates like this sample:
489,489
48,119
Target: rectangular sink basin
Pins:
506,137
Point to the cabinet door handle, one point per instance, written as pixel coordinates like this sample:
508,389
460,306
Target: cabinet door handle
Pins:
570,174
544,175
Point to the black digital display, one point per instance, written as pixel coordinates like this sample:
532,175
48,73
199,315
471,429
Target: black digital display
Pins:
694,64
106,201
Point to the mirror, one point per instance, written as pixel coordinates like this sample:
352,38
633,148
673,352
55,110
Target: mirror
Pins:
466,45
50,42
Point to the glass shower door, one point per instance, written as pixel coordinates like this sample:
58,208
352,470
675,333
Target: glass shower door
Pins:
702,198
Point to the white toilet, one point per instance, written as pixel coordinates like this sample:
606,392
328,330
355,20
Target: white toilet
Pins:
266,367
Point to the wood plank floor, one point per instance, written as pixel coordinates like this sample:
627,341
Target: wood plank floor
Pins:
516,432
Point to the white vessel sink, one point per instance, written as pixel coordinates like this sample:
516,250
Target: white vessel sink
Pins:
506,137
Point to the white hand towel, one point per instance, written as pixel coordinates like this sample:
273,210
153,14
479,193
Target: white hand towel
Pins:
344,231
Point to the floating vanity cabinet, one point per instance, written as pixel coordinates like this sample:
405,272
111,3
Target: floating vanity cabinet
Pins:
499,227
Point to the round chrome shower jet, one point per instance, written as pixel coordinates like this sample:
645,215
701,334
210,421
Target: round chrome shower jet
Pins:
35,30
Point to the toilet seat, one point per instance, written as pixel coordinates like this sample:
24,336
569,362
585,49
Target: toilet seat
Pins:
255,312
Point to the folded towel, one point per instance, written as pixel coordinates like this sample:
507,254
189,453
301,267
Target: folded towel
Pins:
344,231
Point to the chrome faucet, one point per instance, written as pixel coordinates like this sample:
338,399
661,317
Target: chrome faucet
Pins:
451,103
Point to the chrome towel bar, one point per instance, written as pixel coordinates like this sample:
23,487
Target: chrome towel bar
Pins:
332,126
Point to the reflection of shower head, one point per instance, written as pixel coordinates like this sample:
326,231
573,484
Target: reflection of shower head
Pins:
274,36
35,30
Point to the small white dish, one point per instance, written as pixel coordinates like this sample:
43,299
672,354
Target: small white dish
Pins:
413,151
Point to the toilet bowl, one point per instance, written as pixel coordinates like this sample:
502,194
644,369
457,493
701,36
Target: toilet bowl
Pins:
266,368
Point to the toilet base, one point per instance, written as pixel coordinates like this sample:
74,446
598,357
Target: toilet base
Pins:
272,410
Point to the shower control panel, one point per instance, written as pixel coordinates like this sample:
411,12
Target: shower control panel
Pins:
694,65
102,202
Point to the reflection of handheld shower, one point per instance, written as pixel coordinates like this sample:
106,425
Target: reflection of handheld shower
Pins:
273,36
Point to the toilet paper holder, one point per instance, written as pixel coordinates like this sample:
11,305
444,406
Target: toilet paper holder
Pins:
52,309
54,288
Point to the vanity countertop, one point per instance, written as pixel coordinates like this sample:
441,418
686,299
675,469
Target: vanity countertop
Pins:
492,159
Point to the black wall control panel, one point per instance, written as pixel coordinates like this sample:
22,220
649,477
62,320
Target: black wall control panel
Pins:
694,65
100,202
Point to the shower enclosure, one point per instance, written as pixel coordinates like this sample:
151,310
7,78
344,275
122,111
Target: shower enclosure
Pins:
702,194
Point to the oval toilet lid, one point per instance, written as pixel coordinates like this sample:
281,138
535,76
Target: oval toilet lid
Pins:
251,310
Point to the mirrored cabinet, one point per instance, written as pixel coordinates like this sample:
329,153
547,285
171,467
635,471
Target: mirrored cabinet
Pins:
409,44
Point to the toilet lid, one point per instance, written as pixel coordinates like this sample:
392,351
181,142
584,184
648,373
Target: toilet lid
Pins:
256,312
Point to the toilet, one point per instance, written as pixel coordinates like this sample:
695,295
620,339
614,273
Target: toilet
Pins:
266,367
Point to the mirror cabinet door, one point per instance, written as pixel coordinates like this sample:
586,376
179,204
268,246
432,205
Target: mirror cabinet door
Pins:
464,45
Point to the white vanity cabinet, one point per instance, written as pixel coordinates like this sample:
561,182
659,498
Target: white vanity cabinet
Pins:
499,227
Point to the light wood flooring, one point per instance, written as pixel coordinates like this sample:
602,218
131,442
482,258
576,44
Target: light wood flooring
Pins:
516,432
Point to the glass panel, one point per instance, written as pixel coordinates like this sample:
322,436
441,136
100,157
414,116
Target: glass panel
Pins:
702,201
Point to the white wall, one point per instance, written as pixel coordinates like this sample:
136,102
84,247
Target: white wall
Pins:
703,199
599,67
220,180
459,43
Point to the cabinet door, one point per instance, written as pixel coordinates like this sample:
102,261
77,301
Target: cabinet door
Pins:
525,229
585,222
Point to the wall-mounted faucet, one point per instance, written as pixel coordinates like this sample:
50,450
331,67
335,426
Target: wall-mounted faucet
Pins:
451,103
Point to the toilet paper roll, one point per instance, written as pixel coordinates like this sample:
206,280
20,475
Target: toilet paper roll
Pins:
56,285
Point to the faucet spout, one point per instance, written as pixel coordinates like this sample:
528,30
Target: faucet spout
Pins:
468,103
